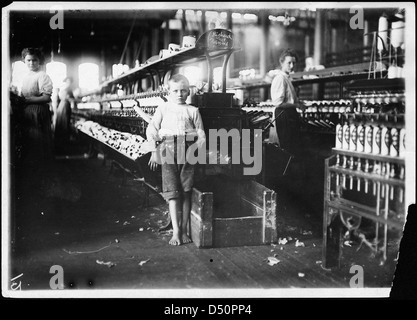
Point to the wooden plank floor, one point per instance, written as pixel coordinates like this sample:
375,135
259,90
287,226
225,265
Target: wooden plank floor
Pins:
108,223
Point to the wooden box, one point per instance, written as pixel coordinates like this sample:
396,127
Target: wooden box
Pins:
228,213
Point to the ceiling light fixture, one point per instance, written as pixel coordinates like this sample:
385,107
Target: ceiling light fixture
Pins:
285,19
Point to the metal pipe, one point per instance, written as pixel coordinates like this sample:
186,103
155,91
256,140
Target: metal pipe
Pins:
210,72
224,67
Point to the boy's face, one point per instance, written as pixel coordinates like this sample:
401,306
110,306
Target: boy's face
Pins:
179,92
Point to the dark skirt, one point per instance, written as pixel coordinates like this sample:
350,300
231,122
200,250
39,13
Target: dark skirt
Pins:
287,125
38,144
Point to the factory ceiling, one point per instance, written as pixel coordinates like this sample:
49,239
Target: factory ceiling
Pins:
83,30
87,32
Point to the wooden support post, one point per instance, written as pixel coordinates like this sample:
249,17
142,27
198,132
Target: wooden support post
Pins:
366,38
155,42
264,50
230,66
334,40
203,22
307,44
318,51
167,34
183,26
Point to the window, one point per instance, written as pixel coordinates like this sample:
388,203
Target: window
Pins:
19,71
193,74
88,76
57,71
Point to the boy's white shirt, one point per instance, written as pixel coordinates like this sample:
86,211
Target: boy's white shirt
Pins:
172,119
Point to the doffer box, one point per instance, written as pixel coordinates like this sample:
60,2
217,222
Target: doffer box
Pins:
227,213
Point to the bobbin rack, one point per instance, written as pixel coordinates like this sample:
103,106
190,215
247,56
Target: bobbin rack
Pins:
364,177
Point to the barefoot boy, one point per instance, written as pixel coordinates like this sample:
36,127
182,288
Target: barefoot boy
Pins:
176,124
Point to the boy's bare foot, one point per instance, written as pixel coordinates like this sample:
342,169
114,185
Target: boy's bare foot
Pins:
175,241
186,239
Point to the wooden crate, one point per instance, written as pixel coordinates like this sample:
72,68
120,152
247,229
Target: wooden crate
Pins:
228,213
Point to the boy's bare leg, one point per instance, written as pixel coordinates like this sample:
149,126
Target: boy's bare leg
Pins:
174,205
186,209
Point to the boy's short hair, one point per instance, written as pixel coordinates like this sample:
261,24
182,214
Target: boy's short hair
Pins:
179,78
33,52
288,53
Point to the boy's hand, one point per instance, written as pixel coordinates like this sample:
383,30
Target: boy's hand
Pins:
200,143
153,164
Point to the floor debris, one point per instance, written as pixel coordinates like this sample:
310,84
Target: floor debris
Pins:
108,264
298,243
273,261
282,241
81,252
143,262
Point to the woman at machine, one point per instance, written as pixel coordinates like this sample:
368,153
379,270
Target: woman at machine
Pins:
285,99
283,94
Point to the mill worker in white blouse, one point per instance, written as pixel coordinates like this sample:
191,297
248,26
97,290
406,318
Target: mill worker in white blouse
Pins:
285,99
